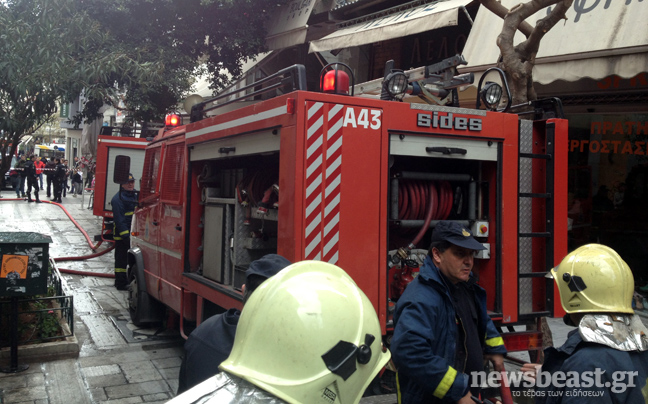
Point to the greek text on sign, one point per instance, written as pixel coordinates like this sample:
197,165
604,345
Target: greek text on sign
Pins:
609,146
365,118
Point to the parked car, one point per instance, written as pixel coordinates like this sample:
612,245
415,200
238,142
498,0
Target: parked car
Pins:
7,180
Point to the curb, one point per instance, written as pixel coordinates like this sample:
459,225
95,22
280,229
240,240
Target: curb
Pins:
46,351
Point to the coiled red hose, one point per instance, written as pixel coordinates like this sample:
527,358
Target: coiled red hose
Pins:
416,196
424,200
433,203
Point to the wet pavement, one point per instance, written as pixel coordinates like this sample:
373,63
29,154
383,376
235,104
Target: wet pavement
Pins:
117,363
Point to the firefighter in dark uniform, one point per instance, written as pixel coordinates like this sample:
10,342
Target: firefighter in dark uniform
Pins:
32,179
442,330
610,341
59,177
123,205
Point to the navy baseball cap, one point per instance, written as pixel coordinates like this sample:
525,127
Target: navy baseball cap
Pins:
457,234
267,266
130,179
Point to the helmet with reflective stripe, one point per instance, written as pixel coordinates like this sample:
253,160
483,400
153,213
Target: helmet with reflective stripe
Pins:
594,279
309,335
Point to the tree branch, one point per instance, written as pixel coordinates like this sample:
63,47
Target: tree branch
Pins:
543,25
498,9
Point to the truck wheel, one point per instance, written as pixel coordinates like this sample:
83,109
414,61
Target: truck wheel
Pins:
142,307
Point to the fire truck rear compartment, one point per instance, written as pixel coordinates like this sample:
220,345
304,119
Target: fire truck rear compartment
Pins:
239,196
433,179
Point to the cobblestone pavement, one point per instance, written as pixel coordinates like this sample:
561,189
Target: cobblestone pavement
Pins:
117,363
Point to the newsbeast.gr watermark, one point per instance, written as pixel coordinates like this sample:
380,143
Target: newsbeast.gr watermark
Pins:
582,384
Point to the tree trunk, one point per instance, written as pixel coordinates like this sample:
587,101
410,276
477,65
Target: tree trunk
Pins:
517,61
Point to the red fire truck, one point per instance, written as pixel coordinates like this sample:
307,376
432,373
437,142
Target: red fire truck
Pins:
355,181
112,151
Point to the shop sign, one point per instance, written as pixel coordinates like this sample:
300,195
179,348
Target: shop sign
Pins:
628,128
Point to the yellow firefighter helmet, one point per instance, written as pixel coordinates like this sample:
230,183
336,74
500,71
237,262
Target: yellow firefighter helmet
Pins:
309,335
594,278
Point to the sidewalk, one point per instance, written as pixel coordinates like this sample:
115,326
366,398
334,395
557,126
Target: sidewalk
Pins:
117,363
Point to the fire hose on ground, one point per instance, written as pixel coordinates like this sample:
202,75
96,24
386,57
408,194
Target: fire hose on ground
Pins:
90,244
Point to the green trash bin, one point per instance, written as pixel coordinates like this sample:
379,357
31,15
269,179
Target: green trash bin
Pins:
24,257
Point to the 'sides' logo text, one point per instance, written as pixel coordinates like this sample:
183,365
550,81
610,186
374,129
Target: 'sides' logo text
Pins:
448,121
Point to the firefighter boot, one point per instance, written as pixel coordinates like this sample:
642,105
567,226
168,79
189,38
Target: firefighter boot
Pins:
29,199
121,281
37,200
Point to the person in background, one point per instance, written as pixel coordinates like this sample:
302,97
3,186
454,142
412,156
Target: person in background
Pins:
211,342
77,183
442,332
66,176
14,176
40,164
596,288
32,179
50,167
89,181
308,335
57,180
123,206
20,168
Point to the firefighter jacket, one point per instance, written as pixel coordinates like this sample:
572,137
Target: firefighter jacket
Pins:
60,171
594,373
123,205
425,336
206,348
30,169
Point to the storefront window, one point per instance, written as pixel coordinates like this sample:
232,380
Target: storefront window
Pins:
608,185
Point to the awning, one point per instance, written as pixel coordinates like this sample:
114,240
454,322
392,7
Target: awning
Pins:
288,27
598,39
382,27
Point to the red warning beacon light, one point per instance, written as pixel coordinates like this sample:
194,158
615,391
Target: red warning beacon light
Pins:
336,81
172,120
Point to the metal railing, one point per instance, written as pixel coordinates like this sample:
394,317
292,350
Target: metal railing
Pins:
44,309
286,80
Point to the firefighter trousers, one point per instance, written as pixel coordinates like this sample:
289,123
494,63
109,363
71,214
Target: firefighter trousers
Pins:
121,262
32,182
57,190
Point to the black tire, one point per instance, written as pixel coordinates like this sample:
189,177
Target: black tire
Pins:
142,307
